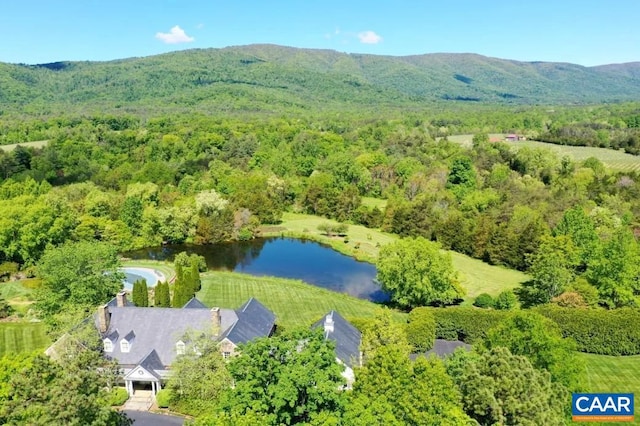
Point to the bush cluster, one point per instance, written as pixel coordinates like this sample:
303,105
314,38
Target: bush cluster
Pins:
117,397
598,331
163,398
466,324
421,329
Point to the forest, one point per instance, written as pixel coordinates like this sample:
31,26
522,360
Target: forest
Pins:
115,178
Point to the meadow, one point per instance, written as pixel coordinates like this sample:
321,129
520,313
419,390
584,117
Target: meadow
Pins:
612,159
34,144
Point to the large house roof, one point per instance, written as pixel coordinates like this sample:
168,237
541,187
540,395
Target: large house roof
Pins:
254,320
158,329
345,335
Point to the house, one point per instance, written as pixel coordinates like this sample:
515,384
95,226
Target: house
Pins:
347,339
146,341
512,137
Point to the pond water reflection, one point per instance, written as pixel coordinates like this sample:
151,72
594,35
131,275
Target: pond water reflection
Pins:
308,261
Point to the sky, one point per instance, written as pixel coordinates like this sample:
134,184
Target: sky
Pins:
585,32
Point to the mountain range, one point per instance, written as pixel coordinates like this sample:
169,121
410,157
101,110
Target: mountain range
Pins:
279,78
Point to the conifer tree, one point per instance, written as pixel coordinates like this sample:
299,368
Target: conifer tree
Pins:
161,295
140,293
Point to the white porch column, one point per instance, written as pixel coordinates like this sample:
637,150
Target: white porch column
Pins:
153,387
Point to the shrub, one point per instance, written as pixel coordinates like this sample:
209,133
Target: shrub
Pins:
466,324
421,329
117,397
484,301
506,300
163,398
598,331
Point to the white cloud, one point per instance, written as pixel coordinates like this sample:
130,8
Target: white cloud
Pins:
174,36
369,37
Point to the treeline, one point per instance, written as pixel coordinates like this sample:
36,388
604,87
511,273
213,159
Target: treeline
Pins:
138,183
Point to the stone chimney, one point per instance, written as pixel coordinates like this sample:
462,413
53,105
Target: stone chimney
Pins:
103,318
216,320
328,323
121,299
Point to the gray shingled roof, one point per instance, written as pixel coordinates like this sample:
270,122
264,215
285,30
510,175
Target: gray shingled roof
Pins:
346,337
254,320
151,363
194,304
158,329
443,348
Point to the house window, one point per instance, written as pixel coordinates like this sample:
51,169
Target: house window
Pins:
108,345
124,346
226,355
180,348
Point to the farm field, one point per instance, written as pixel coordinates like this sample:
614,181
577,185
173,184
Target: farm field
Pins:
295,303
22,337
614,160
34,144
476,276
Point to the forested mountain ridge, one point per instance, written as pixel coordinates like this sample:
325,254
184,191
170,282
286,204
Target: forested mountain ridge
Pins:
277,78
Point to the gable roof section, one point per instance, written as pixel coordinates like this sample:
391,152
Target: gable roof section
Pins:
346,337
254,320
194,304
158,329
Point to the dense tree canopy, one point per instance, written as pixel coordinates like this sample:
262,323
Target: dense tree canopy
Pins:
79,274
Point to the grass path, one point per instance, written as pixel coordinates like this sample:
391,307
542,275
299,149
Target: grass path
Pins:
18,337
294,302
364,244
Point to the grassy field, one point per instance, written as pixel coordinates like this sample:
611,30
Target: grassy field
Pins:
613,373
35,144
615,160
364,244
22,337
295,303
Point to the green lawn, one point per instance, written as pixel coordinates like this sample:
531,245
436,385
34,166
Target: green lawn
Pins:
364,244
294,302
613,373
22,337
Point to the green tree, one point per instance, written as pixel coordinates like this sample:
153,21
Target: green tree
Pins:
293,378
421,329
382,331
83,274
140,293
506,300
131,214
417,273
614,270
161,297
70,391
199,377
392,390
580,228
504,389
552,270
540,340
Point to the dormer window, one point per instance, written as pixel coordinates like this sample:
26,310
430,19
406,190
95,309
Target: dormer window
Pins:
180,347
124,346
108,345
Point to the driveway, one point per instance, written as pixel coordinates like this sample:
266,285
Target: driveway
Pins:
143,418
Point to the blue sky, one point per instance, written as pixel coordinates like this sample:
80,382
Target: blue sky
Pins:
586,32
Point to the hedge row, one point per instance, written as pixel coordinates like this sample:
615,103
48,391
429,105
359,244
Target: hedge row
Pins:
466,324
598,331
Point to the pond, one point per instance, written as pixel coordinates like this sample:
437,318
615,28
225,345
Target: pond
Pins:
308,261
